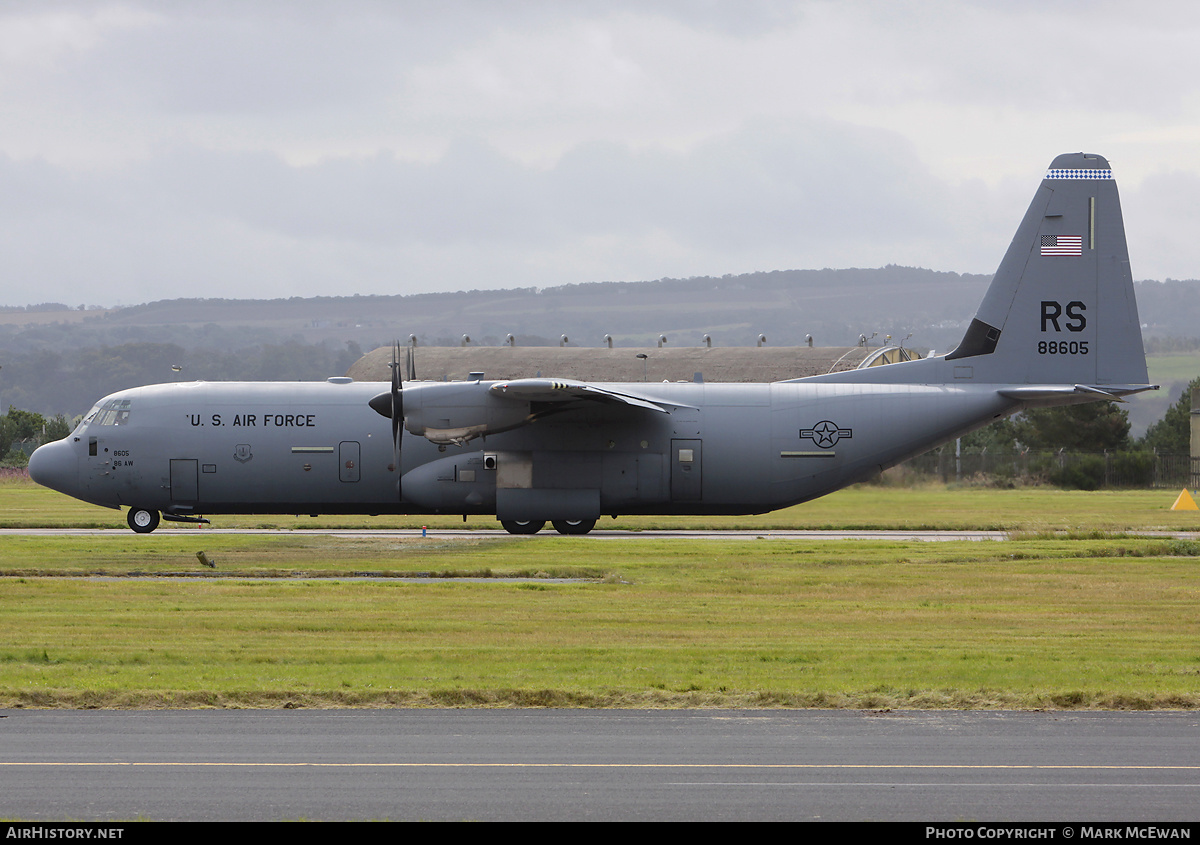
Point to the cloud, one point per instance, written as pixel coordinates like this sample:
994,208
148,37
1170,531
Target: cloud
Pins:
268,148
764,198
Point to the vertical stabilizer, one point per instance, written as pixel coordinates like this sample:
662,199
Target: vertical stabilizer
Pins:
1061,309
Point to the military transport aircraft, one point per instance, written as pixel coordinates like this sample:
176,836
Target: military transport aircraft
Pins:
1058,326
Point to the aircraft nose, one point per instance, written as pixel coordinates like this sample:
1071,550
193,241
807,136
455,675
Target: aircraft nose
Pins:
54,465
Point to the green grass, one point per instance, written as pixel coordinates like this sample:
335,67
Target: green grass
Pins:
1039,621
1071,612
1173,366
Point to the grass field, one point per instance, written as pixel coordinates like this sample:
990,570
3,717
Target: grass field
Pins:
1068,614
1173,367
1171,370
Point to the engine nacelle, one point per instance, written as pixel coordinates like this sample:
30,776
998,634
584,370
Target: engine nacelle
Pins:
458,412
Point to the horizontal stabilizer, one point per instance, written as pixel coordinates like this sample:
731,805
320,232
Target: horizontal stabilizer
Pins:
1052,393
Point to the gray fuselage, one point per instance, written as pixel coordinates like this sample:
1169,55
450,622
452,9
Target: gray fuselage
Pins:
208,448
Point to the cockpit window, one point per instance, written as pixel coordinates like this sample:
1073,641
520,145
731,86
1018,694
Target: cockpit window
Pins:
112,412
87,418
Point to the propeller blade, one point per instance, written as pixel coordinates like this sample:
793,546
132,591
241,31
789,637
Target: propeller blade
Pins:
397,412
391,405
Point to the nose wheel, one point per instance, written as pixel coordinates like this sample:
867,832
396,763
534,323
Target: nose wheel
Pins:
142,520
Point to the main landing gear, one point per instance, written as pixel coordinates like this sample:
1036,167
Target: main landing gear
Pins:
523,526
574,526
142,520
562,526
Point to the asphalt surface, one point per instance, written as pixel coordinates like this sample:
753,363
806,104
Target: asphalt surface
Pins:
599,534
600,765
919,535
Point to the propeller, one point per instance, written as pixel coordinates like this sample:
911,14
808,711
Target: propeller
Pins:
397,408
391,404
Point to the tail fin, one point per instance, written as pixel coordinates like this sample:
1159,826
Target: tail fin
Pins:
1061,309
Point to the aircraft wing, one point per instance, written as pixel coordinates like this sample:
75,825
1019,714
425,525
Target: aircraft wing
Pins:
567,390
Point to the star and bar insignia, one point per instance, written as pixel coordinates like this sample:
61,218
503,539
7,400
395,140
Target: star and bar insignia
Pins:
826,434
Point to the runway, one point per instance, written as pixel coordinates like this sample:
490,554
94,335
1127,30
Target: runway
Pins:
494,534
894,535
554,765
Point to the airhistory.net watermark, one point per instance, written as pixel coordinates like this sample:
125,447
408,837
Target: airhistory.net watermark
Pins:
44,831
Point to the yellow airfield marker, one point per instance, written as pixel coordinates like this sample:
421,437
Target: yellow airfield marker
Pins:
1185,502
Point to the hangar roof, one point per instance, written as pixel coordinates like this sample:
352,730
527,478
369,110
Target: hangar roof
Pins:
621,364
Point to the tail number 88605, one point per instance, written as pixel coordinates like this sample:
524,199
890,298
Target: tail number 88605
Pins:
1062,347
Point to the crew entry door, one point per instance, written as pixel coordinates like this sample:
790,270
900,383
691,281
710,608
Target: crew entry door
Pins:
685,471
184,480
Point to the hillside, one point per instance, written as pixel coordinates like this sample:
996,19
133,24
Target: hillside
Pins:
55,359
835,306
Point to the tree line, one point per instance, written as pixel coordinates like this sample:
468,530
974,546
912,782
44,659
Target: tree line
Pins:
1093,427
1097,436
22,431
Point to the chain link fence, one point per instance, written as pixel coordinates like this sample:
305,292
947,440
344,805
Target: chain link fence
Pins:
1077,470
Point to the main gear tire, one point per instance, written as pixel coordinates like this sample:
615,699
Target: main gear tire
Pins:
142,520
522,526
574,526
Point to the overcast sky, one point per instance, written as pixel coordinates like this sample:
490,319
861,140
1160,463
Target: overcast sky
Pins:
153,150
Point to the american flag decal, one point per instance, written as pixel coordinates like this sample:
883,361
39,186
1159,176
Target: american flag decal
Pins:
1062,244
